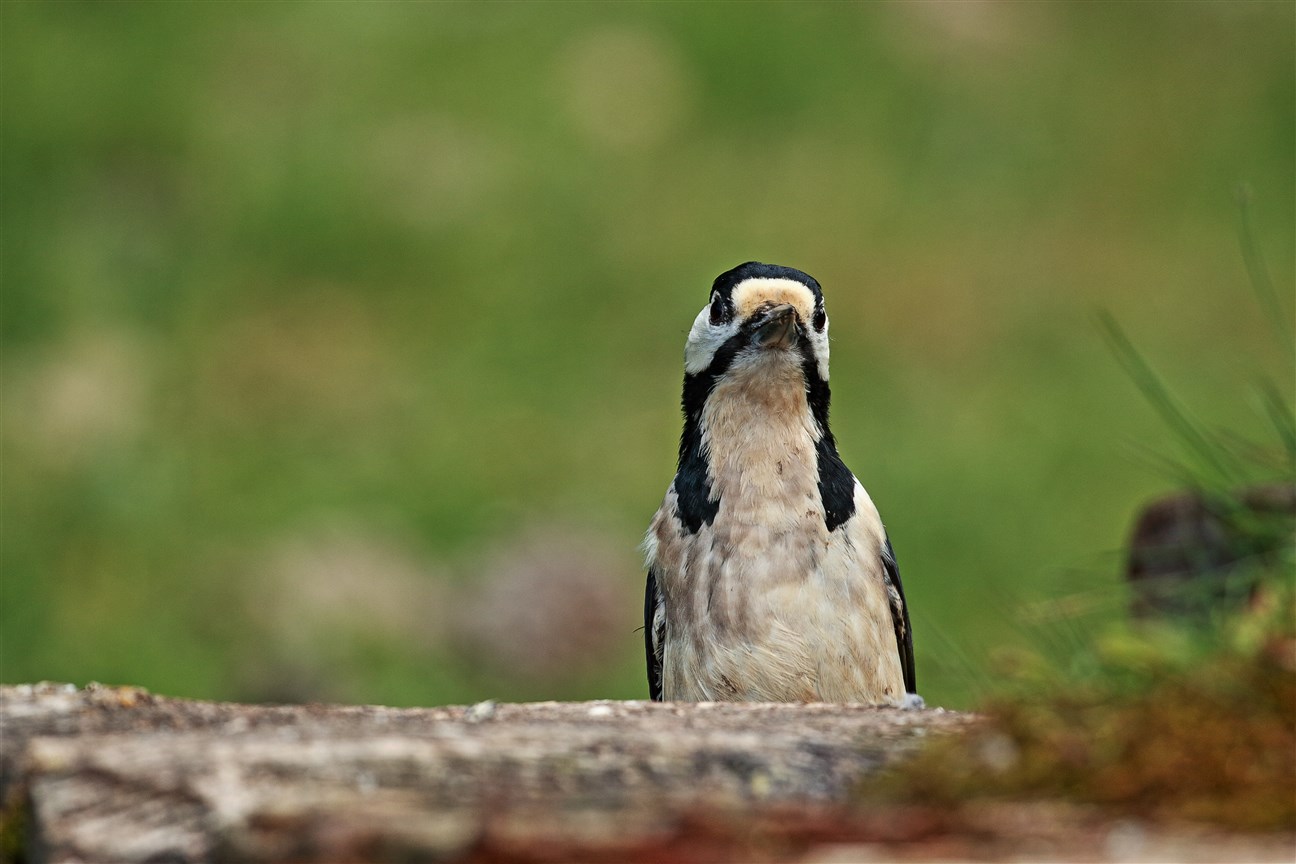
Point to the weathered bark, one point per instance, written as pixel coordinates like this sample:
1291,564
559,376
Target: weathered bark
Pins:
122,775
119,775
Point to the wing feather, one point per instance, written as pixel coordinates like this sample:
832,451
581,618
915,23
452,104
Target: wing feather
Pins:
654,621
899,616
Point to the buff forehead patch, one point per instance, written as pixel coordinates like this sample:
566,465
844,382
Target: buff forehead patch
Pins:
751,294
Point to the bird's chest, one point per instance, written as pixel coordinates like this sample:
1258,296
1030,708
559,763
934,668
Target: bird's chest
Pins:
763,602
769,527
776,615
756,604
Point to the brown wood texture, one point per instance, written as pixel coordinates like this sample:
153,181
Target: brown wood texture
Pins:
119,775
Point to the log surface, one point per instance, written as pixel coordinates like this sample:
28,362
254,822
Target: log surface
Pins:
120,775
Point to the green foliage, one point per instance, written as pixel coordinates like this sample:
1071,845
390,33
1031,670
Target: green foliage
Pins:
1188,715
1165,725
1222,462
310,311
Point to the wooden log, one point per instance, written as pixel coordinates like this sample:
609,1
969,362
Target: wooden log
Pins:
118,774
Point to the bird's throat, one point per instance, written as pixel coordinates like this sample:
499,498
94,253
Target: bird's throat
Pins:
759,438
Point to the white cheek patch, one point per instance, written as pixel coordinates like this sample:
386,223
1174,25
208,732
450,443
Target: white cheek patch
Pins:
750,294
704,341
819,344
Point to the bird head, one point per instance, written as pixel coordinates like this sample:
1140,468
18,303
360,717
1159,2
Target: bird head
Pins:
760,315
757,352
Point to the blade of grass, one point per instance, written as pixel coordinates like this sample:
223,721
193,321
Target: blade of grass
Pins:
1263,463
1280,414
1158,394
1259,275
954,656
1167,467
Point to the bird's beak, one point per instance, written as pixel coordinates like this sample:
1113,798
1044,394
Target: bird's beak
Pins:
779,329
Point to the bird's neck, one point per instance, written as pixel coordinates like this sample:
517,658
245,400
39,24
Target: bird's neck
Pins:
759,437
753,439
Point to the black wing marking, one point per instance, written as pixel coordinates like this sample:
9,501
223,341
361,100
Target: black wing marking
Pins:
899,616
652,637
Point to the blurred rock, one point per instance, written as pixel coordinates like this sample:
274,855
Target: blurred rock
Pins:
1190,553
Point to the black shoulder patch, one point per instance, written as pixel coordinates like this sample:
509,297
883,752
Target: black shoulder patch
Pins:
836,484
692,487
818,394
693,493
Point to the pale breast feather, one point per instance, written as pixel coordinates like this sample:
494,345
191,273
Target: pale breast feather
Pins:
727,614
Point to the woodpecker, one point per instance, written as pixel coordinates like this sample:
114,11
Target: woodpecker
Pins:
770,574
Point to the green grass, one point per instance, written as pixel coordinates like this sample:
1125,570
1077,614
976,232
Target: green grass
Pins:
1179,715
301,297
1162,727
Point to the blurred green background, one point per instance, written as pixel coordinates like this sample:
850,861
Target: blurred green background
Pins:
342,342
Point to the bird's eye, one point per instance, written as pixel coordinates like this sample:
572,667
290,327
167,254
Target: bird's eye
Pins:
820,319
717,311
